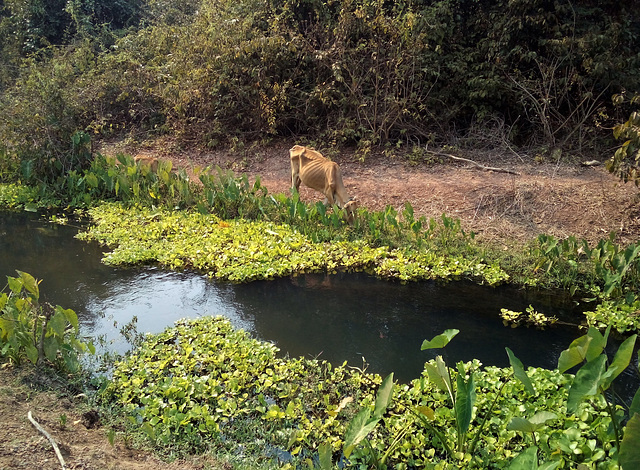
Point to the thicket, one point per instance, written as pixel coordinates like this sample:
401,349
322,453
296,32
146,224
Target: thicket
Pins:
362,72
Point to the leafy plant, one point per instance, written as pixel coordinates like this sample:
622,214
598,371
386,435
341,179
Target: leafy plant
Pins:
366,421
463,396
595,377
531,318
38,332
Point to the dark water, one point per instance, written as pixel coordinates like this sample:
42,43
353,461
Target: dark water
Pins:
343,317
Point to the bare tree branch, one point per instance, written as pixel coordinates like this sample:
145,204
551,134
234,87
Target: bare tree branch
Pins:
51,440
476,164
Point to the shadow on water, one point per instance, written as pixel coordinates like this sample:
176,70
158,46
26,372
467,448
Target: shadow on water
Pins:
342,317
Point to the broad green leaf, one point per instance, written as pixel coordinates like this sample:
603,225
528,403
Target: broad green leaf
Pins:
542,417
635,404
584,348
356,431
436,377
50,347
324,456
465,399
363,423
383,397
6,328
621,360
519,372
630,446
70,315
440,341
57,324
526,460
598,343
32,353
586,382
30,283
530,425
15,284
521,424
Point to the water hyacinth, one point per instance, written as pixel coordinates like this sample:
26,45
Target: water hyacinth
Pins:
241,251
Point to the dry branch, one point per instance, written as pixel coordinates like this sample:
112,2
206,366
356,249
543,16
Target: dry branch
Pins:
478,165
48,436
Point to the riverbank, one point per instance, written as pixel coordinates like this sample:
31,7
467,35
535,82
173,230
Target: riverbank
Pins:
559,198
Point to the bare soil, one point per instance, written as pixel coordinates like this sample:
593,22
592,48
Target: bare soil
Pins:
557,199
78,431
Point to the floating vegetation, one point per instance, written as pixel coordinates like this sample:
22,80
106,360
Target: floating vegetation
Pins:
241,251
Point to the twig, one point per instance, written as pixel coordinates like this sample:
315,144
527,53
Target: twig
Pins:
482,167
48,436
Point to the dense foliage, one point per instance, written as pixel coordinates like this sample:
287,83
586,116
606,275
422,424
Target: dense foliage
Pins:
38,332
209,387
362,72
243,251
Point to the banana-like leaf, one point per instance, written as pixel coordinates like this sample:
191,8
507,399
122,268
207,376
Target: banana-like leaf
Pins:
630,446
465,399
440,341
586,382
518,371
621,360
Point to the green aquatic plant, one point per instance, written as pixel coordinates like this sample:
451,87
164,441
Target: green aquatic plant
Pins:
595,378
462,396
38,332
202,384
242,251
530,318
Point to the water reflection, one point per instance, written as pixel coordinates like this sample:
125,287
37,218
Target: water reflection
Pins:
339,317
351,316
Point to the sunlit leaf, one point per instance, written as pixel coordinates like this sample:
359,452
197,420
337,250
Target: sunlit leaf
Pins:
30,283
426,411
584,348
519,372
383,397
359,427
630,445
621,360
586,382
440,341
533,424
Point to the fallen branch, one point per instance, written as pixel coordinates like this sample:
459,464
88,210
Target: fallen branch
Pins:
482,167
48,436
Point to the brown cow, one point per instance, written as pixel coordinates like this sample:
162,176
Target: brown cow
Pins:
323,175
